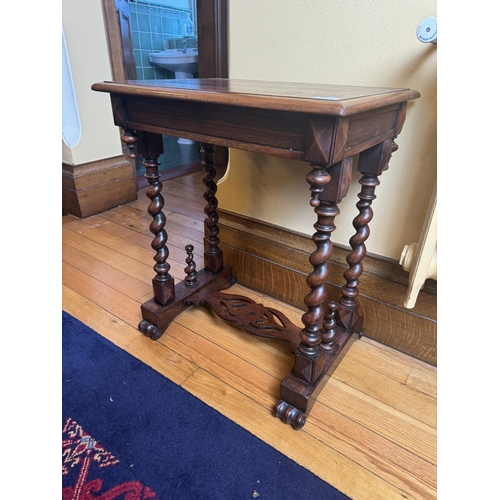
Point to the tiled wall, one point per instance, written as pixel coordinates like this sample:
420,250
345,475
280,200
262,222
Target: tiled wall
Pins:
155,27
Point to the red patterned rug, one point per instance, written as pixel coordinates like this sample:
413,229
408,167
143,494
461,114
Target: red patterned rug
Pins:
81,453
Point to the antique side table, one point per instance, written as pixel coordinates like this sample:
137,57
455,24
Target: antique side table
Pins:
325,125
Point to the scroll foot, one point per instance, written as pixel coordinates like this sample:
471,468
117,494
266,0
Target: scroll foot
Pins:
290,415
150,330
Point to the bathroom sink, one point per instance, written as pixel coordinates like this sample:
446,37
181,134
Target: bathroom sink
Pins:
184,64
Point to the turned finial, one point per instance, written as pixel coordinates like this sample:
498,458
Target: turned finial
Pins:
190,270
329,327
129,138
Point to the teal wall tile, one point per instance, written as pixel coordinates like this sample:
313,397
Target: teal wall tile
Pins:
140,73
145,41
155,24
167,26
144,59
157,40
135,39
152,26
143,22
149,74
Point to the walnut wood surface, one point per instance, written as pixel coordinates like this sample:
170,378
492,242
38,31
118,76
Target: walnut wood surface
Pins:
338,100
323,124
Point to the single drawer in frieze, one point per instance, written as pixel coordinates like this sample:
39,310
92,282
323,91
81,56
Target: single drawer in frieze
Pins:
278,133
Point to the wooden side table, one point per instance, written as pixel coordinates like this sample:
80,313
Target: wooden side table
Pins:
325,125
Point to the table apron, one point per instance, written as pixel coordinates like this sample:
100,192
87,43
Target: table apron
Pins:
300,136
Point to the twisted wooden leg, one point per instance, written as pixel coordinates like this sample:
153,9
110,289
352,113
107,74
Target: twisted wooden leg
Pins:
308,362
151,146
170,300
322,345
213,254
348,315
372,163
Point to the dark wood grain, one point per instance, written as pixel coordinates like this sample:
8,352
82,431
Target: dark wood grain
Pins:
323,99
212,19
323,124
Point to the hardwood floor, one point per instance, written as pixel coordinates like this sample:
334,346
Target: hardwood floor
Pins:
372,431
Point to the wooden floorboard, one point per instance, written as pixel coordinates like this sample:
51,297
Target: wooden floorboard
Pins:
372,431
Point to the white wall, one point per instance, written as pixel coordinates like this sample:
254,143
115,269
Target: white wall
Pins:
85,35
352,42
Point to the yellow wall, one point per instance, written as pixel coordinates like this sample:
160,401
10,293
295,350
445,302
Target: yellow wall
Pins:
88,55
370,42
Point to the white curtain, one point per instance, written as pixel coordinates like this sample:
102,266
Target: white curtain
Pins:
71,126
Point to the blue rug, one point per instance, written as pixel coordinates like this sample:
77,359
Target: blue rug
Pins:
131,434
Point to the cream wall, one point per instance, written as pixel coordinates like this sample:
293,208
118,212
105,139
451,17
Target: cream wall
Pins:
84,31
354,42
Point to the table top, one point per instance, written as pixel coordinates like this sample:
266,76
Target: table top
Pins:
329,99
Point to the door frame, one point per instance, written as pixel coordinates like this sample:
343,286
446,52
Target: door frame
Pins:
212,19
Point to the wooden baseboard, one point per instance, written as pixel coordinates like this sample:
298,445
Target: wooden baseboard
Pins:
95,187
276,262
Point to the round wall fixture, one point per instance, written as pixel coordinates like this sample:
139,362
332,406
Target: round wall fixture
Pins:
427,30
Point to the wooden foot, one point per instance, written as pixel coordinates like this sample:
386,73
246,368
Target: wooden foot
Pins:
150,330
290,415
297,397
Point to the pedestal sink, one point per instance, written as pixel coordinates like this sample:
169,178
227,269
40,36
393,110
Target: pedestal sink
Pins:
184,64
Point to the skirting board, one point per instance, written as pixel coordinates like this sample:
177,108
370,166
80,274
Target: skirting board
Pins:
95,187
276,262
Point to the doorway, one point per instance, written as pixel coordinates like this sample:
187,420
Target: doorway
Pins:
137,27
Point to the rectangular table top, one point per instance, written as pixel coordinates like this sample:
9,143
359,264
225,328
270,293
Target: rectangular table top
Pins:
340,100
